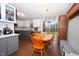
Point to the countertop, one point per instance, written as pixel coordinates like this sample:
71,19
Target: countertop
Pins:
22,28
3,36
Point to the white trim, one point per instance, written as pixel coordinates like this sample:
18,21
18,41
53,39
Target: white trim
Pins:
10,6
3,11
1,20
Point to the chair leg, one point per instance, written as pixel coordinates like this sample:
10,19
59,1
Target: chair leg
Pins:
32,51
44,50
51,44
41,52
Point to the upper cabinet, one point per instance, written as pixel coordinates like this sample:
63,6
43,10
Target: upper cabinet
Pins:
7,13
36,22
0,11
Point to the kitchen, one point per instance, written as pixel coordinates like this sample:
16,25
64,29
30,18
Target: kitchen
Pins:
11,24
9,41
19,20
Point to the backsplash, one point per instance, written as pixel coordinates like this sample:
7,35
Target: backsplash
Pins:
3,25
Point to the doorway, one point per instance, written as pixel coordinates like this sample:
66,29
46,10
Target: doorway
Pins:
52,27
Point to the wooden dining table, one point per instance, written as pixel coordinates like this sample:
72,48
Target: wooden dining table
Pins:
48,38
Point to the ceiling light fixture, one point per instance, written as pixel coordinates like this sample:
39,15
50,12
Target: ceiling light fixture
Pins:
20,14
48,19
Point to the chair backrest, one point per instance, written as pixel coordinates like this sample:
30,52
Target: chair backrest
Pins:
37,41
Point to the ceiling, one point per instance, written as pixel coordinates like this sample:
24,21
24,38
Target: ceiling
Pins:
41,10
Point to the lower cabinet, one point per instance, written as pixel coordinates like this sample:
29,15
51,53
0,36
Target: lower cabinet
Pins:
8,45
2,46
12,44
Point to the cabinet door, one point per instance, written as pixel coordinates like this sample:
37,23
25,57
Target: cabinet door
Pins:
36,22
12,44
0,11
10,12
2,46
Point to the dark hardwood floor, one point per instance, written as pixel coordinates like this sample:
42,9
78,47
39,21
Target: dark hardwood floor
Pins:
25,49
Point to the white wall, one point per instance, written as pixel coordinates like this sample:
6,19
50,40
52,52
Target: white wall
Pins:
73,33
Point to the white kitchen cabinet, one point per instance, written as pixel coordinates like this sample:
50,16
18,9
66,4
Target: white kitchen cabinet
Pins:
8,13
23,23
0,10
19,23
36,22
26,23
8,45
2,46
12,44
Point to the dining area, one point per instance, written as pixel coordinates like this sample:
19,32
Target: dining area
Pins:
41,42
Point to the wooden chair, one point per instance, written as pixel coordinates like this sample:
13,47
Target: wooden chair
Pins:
37,44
